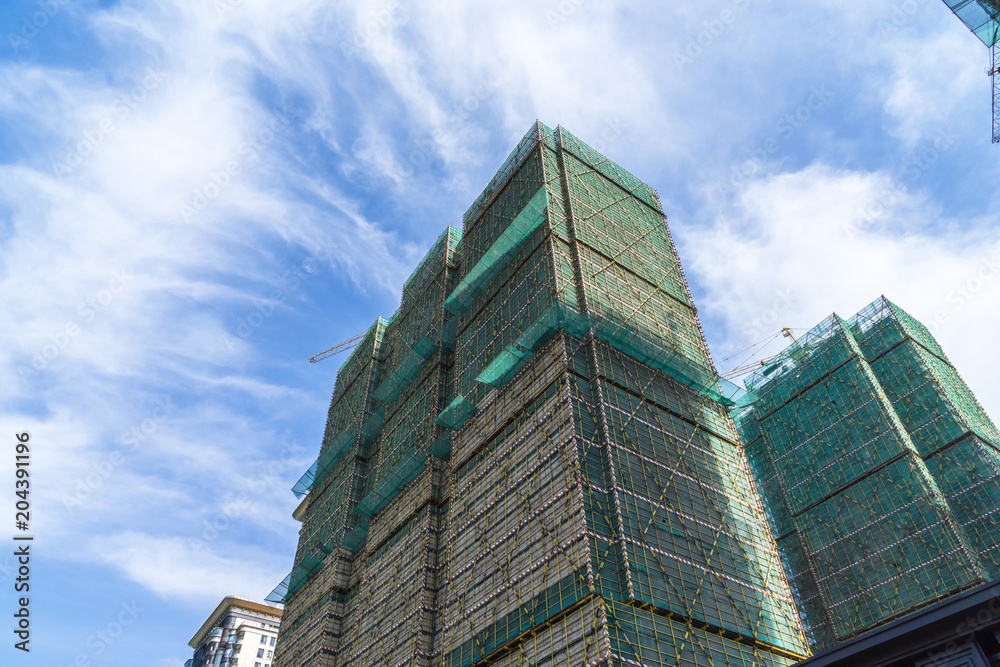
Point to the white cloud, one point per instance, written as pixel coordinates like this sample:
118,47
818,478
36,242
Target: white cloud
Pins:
936,83
171,569
795,247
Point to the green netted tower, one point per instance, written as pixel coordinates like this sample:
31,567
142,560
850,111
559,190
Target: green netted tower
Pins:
532,461
880,472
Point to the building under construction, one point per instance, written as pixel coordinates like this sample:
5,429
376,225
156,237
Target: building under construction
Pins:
880,474
532,461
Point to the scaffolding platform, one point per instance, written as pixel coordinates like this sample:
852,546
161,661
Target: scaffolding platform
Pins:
878,469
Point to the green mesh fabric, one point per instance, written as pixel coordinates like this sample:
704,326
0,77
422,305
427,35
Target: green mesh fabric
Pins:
502,250
446,243
332,455
405,370
305,483
354,540
560,316
441,449
296,579
280,593
456,414
391,484
539,131
372,427
982,17
609,169
449,334
863,445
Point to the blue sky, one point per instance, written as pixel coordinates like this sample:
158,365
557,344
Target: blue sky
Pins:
197,196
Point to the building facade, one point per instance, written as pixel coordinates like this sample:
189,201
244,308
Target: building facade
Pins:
532,461
880,473
239,633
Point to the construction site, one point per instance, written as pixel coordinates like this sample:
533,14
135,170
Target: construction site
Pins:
879,470
532,461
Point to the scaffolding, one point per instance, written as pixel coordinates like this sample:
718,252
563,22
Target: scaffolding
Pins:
878,469
982,17
549,473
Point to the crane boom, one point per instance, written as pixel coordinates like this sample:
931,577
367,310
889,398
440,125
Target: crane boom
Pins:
337,349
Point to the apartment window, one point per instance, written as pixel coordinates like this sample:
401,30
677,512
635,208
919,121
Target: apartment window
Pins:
269,654
256,664
260,653
263,639
272,641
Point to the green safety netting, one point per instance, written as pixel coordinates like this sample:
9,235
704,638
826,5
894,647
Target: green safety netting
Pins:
372,427
456,414
622,337
405,370
513,162
677,366
449,333
334,454
441,449
296,579
358,358
391,484
280,593
498,372
502,250
982,17
864,446
607,168
447,242
354,540
305,483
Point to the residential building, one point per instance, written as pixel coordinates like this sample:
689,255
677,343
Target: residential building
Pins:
532,461
880,474
239,633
